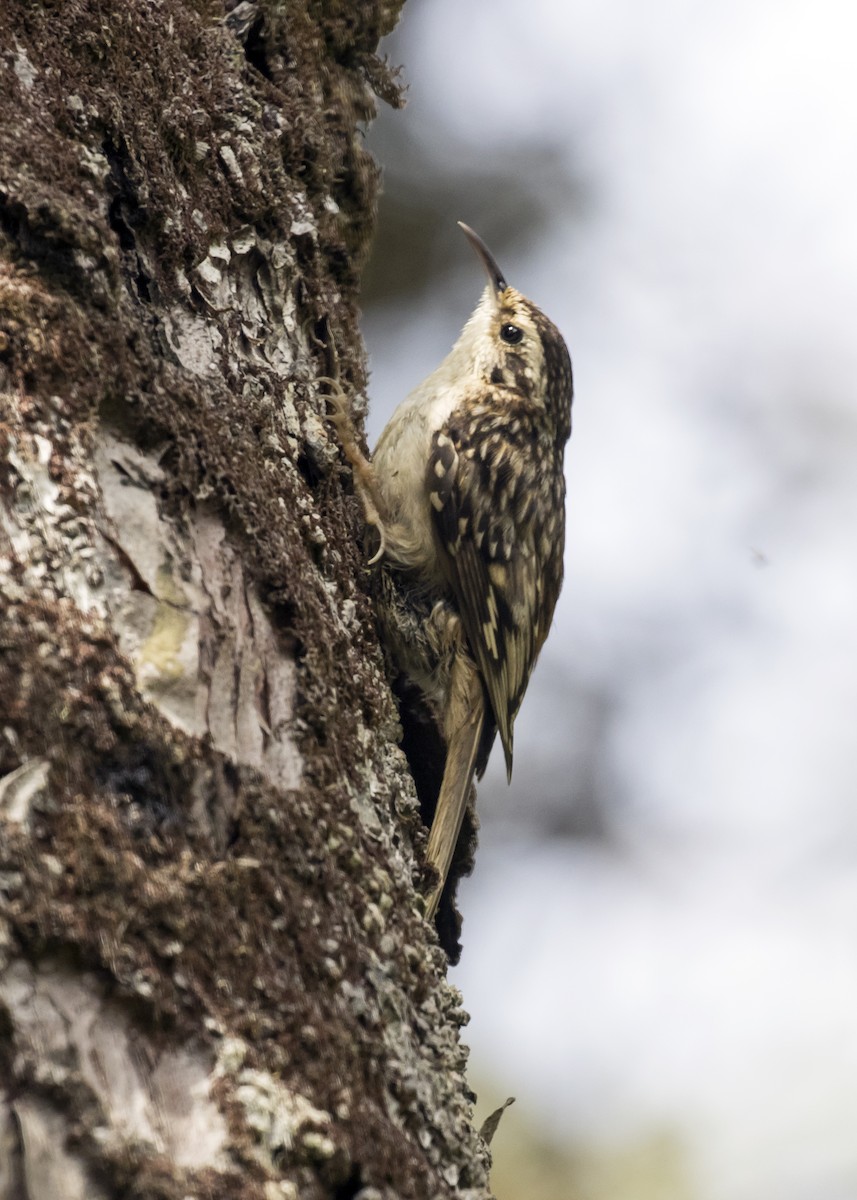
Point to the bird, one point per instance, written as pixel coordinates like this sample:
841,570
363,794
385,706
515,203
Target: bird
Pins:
466,492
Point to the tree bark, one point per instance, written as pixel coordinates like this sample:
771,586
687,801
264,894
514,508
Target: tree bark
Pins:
215,976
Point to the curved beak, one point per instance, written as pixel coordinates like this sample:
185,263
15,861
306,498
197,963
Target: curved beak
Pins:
495,275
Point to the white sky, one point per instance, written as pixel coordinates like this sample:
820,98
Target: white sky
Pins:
704,975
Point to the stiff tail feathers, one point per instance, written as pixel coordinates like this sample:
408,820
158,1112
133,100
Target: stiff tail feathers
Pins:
462,756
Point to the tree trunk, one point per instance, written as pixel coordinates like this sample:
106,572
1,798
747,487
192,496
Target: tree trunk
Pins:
215,978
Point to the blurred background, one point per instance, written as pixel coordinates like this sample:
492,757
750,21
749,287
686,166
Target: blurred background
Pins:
660,940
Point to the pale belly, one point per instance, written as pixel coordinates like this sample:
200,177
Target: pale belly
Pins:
400,460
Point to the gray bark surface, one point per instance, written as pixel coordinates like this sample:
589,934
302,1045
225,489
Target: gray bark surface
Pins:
215,976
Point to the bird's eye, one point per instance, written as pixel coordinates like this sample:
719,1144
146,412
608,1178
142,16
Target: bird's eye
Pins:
511,334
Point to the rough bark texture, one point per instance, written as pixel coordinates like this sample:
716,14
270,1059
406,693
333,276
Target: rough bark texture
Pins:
215,979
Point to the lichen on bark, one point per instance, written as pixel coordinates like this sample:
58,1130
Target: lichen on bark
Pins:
215,978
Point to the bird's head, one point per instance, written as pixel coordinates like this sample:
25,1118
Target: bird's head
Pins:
510,344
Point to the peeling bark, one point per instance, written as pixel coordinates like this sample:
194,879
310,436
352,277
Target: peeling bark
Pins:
215,976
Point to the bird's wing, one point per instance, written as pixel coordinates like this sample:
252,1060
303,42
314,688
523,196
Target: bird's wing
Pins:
497,501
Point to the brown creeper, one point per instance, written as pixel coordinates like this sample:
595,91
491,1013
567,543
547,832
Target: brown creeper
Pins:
467,491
